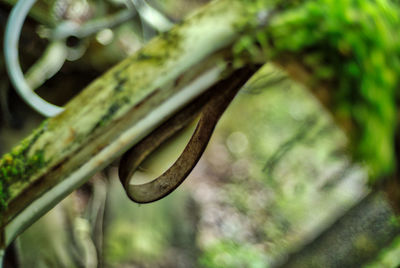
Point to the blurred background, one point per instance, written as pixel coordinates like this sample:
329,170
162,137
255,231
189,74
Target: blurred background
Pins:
275,177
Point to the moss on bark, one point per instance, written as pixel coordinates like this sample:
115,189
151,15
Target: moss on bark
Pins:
353,47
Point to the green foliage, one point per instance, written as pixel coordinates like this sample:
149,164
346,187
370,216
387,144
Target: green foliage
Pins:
230,254
353,45
129,241
389,257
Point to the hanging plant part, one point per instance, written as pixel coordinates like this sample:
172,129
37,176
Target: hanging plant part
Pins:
210,106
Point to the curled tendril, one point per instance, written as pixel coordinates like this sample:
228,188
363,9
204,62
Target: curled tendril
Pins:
25,86
210,106
12,35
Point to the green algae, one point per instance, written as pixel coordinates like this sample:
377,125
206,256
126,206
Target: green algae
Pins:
19,165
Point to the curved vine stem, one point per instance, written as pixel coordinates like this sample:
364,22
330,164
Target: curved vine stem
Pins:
11,39
210,106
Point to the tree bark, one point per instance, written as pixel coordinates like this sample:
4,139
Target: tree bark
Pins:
354,239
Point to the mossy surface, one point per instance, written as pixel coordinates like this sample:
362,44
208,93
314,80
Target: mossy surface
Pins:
19,165
354,46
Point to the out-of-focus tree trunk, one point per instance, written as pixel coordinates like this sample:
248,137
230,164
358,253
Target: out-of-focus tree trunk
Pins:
354,239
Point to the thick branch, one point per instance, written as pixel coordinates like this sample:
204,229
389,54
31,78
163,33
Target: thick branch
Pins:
116,111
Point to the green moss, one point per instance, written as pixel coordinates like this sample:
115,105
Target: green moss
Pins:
388,256
395,221
19,165
353,45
